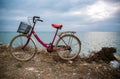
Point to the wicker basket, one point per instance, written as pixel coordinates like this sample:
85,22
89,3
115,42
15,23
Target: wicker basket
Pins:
24,28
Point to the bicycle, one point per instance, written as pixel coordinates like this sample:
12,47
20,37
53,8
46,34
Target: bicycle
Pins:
23,47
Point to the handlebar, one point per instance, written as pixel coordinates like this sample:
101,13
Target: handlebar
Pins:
36,18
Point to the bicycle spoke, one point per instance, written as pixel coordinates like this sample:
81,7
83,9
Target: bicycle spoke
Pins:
72,47
17,51
70,41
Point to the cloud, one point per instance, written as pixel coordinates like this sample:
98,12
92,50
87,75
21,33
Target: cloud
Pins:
73,14
100,10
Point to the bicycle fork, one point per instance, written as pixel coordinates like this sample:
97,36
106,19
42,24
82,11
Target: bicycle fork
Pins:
27,41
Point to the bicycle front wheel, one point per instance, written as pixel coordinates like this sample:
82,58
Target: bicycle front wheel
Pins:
69,47
17,50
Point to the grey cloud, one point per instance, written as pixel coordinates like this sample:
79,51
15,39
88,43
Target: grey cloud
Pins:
54,11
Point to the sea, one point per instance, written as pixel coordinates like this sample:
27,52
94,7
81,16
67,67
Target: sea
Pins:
91,41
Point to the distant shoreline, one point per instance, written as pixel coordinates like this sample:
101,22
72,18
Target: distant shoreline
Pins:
1,43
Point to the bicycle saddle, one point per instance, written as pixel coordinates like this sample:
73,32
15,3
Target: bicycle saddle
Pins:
57,26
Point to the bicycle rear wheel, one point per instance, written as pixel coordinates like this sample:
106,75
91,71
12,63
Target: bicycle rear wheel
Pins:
17,50
69,47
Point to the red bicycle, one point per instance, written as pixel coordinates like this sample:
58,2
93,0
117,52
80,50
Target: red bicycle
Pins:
23,47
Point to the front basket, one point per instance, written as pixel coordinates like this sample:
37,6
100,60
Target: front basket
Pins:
24,28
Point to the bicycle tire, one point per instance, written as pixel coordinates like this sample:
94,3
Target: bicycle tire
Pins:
74,51
15,48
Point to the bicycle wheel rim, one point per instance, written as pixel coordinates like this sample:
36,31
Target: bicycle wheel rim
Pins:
74,44
17,51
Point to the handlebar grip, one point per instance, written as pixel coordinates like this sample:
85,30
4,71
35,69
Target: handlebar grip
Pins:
34,18
40,20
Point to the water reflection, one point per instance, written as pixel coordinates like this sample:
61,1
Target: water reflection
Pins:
94,41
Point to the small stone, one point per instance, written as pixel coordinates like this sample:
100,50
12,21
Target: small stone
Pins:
19,65
85,64
88,74
70,62
74,73
97,67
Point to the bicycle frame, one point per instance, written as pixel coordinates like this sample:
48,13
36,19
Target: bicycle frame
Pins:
47,46
43,43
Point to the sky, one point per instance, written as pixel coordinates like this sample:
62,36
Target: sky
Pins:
75,15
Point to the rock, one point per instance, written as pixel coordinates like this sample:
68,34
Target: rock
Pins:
104,55
117,57
115,64
70,62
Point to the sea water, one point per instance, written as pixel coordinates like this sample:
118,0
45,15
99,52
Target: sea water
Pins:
91,41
